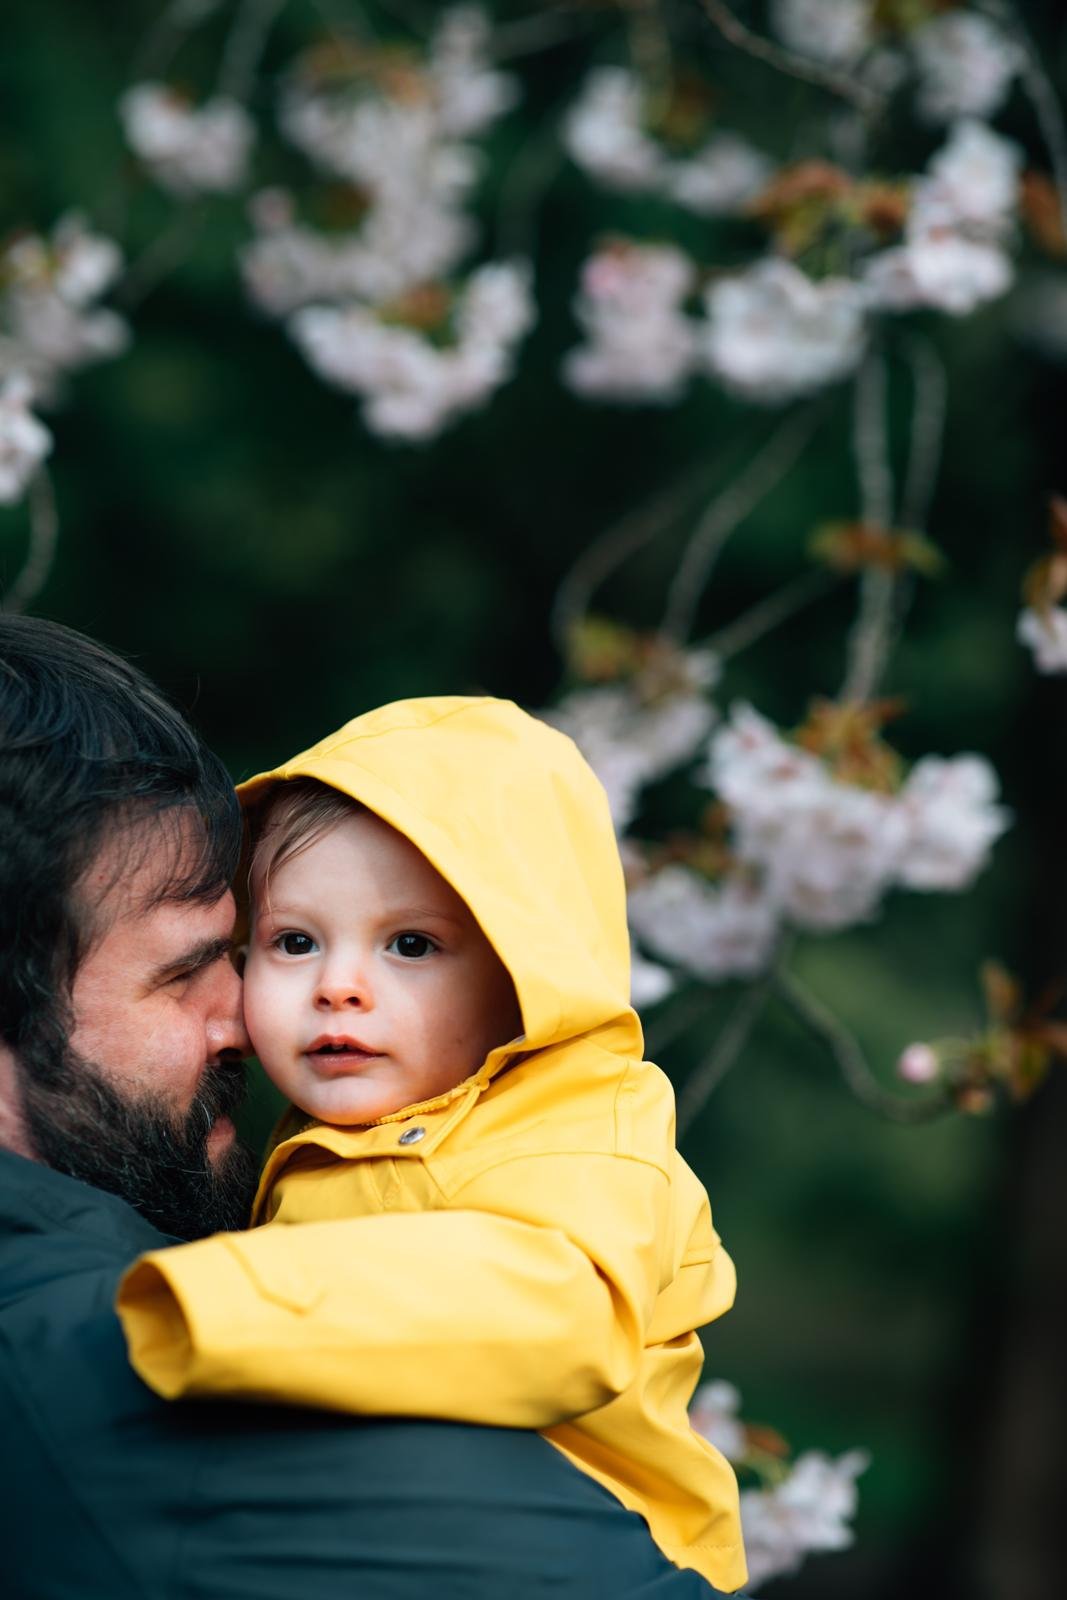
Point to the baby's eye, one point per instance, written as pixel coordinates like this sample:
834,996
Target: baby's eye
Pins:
291,943
414,946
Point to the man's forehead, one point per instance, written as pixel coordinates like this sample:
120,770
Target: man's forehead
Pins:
132,877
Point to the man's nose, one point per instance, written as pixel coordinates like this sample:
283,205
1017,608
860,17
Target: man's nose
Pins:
225,1024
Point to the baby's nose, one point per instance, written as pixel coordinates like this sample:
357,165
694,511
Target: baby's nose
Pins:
342,994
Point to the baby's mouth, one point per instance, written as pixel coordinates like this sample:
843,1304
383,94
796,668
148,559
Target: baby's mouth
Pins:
339,1052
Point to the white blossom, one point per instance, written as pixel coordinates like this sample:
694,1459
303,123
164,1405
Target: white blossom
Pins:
640,346
24,439
712,931
714,1413
939,269
837,31
649,982
470,94
48,323
972,182
828,851
604,132
953,257
1046,634
629,743
188,149
953,821
966,64
411,387
809,1511
721,178
773,333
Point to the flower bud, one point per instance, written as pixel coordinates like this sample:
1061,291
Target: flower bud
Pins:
918,1064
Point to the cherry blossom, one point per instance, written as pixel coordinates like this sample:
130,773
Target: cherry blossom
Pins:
966,64
629,742
773,333
721,177
714,1413
828,30
828,851
939,269
1046,634
972,181
604,132
49,325
188,149
641,347
953,821
412,387
24,439
710,930
470,93
953,258
810,1510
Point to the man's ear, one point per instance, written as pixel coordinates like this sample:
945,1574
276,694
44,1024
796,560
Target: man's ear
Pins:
13,1134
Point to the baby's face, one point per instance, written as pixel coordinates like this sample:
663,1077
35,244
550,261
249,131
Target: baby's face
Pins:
369,986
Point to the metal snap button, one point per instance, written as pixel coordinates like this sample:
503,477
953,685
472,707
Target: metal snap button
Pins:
412,1135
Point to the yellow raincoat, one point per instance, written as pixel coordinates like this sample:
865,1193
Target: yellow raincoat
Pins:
527,1250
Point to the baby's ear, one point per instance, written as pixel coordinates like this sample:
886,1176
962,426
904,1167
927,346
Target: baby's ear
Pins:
238,956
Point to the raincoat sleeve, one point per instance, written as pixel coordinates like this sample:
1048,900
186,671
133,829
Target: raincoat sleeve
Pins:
523,1306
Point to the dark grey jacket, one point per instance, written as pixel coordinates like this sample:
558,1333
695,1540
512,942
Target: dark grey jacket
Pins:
107,1493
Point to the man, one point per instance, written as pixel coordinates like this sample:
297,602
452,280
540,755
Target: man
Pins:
121,1050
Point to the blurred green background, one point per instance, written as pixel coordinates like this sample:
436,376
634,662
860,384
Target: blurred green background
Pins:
228,523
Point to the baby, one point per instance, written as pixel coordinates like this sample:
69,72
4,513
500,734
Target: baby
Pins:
489,1221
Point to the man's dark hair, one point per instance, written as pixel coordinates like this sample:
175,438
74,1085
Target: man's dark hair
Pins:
88,747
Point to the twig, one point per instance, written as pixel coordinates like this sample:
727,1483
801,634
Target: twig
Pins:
927,432
523,188
851,1062
870,101
868,643
689,1006
44,535
650,49
162,40
1042,96
540,31
770,613
870,442
728,511
244,47
161,256
614,545
705,1079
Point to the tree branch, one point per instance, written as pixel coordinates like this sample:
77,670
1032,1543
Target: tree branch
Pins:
740,498
868,645
702,1083
244,47
612,548
40,557
927,432
868,100
851,1062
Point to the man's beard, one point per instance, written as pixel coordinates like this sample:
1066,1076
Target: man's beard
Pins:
139,1149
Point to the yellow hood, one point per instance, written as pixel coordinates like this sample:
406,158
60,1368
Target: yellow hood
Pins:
512,816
